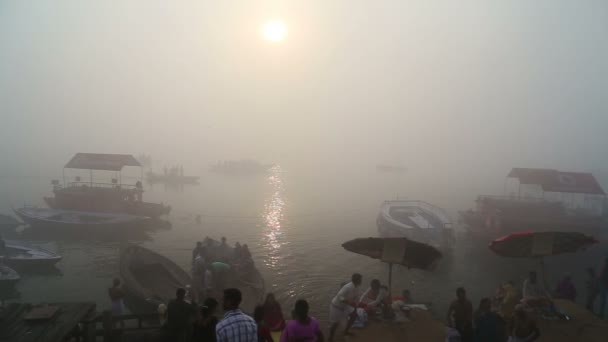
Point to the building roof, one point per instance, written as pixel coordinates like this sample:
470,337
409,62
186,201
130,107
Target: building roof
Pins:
558,181
100,161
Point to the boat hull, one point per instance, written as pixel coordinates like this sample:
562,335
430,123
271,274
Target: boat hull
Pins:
436,238
21,256
494,226
143,293
36,221
8,277
426,223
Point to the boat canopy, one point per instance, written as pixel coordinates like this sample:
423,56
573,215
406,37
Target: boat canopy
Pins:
100,161
558,181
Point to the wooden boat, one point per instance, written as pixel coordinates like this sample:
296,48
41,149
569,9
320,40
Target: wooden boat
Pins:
149,278
8,276
21,255
249,280
415,220
115,197
69,220
543,200
8,225
153,177
9,222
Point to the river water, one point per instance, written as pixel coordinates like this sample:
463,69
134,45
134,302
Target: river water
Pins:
294,222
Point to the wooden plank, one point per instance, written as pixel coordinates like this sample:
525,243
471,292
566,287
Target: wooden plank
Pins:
15,328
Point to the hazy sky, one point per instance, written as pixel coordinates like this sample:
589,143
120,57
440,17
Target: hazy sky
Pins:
456,86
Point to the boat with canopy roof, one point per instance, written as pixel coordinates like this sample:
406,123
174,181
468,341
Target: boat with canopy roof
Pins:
113,197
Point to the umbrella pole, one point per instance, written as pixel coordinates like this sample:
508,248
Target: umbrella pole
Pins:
542,272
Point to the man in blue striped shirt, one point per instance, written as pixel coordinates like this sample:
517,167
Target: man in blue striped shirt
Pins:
236,326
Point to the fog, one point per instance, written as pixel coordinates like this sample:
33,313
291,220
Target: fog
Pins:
458,91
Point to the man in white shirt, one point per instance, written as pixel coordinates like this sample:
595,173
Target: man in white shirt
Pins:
534,292
374,297
343,305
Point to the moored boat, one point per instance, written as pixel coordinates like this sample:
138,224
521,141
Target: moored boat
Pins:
540,200
8,276
149,278
416,220
245,276
23,255
70,220
114,197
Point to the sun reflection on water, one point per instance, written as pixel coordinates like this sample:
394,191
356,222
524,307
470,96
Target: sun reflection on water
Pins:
273,217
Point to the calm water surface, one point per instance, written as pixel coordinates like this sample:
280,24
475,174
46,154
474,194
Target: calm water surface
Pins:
294,222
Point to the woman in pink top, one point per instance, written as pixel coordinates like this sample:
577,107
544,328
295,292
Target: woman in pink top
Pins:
302,328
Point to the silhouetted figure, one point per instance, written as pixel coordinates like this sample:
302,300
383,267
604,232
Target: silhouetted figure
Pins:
263,331
489,326
273,314
460,315
603,287
180,315
2,246
523,328
565,289
592,286
204,328
198,250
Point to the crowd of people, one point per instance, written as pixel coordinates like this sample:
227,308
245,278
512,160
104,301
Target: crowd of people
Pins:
508,315
186,321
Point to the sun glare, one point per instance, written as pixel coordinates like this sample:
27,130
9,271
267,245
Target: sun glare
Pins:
274,31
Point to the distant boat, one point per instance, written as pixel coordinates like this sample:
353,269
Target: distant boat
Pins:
68,219
416,220
22,255
8,277
153,177
149,278
241,167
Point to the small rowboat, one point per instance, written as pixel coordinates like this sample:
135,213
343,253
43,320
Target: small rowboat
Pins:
150,279
247,279
21,255
8,276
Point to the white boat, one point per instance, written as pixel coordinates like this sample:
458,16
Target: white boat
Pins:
416,220
8,276
22,255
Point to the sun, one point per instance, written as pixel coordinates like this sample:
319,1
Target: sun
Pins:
274,31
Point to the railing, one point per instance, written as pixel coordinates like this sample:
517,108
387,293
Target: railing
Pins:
100,185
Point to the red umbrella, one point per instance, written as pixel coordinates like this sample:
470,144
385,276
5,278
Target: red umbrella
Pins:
531,244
